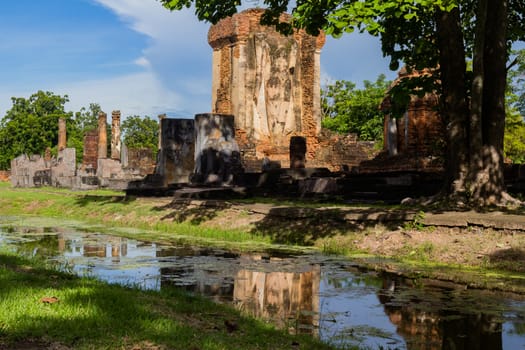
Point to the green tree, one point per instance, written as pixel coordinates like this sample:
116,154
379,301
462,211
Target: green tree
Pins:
141,133
516,84
422,34
514,141
31,125
350,110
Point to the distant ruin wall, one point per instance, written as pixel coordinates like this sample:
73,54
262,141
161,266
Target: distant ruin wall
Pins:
341,152
140,160
269,82
5,175
90,154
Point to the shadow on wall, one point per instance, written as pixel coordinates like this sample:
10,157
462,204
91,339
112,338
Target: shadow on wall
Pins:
217,155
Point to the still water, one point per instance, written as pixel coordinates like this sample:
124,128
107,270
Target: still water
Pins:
328,297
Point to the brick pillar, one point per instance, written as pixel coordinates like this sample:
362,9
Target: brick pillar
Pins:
115,135
61,133
102,136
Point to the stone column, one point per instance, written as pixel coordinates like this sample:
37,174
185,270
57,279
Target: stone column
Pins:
115,135
102,136
61,134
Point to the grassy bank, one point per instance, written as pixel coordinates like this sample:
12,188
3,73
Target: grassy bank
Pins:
152,218
41,308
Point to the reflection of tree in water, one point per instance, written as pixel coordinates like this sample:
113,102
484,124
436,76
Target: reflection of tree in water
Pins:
45,246
428,324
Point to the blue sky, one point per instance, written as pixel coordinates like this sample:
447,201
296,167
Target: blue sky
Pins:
132,55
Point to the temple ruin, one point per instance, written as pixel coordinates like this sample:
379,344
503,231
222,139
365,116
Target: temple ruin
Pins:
271,84
264,129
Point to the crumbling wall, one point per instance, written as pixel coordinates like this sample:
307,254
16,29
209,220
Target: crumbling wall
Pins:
341,152
5,175
35,171
420,132
140,161
90,154
24,168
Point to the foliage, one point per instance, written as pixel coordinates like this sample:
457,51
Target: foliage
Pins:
516,86
141,133
350,110
31,125
514,141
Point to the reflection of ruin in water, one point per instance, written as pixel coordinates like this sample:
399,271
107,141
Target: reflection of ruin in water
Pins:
287,298
425,326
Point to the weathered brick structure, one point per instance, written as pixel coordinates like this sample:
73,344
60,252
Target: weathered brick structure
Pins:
102,136
90,154
270,83
415,141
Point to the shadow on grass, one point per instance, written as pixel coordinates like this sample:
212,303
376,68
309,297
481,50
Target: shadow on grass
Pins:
103,200
91,314
291,225
194,212
510,259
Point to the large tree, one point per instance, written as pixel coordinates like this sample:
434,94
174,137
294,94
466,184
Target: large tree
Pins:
31,125
422,34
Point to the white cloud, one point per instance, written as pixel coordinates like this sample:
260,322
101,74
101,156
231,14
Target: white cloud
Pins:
135,94
178,55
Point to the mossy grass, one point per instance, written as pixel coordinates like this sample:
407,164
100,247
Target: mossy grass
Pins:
82,313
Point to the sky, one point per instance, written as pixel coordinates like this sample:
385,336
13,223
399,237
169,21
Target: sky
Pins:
134,56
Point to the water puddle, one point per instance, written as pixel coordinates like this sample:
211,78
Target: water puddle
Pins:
327,297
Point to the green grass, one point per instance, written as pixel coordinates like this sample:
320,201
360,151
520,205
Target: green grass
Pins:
93,315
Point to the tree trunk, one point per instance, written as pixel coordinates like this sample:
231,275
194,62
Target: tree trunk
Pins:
476,101
490,187
453,100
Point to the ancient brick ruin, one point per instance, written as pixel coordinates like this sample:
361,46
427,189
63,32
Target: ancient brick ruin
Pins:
270,83
415,141
96,169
